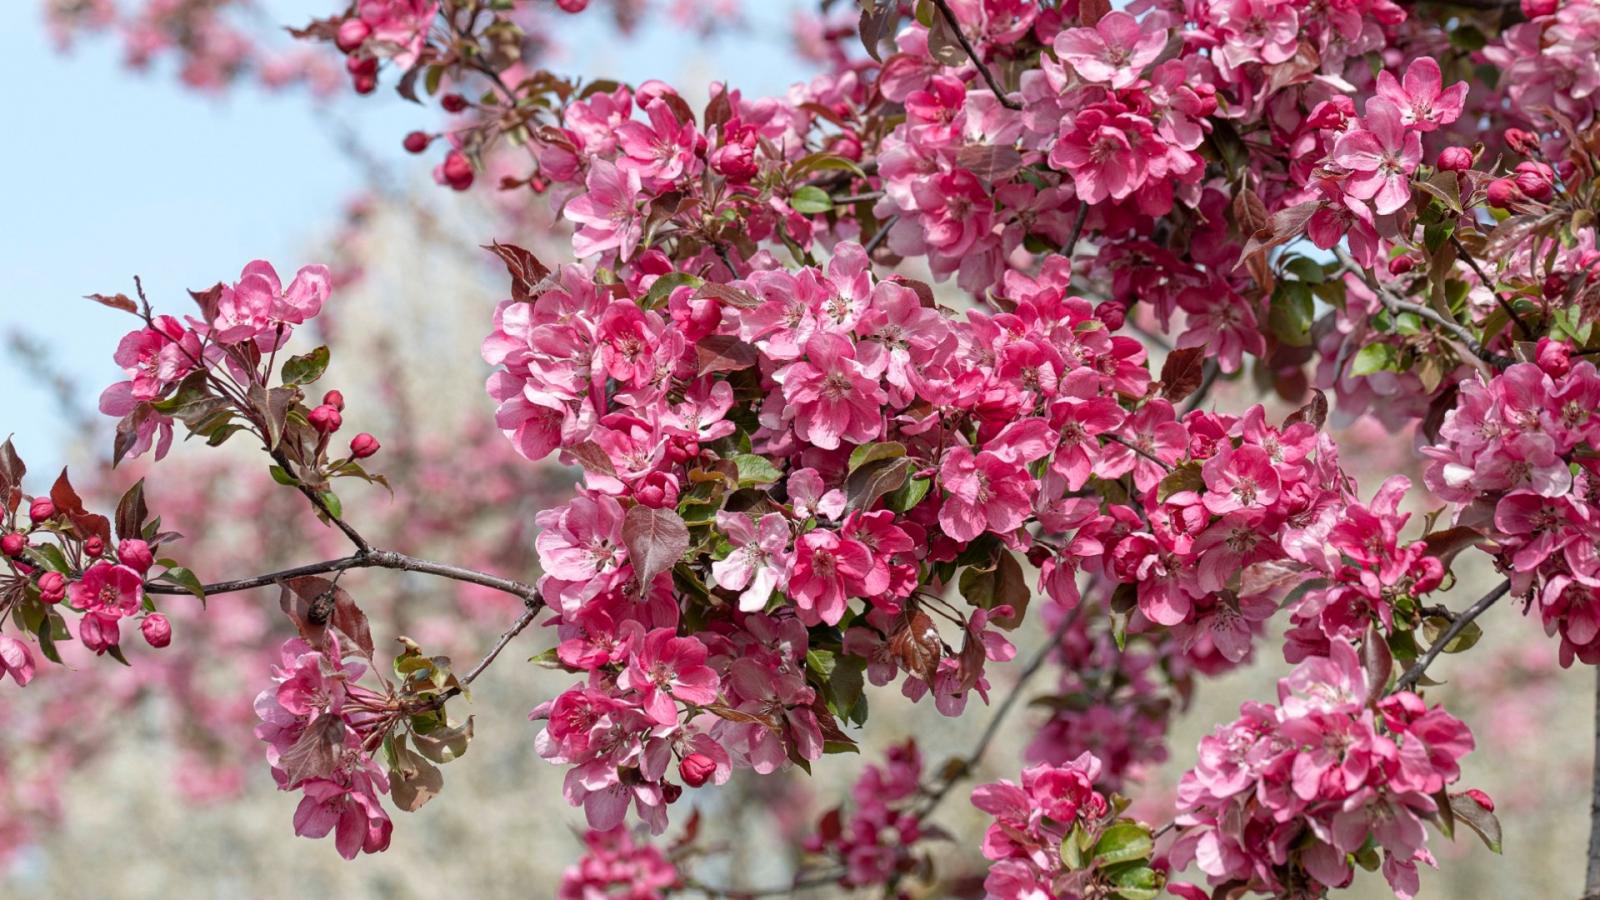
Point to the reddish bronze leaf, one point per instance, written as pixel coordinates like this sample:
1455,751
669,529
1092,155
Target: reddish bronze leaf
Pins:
315,754
115,301
1182,372
656,540
525,269
916,647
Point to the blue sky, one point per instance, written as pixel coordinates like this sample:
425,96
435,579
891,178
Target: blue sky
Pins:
108,174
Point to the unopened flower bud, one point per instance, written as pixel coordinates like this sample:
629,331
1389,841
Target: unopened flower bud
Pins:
696,769
453,103
95,546
13,544
1536,180
1112,313
100,631
573,6
363,445
417,141
658,490
325,419
52,587
136,555
1455,159
157,630
41,509
333,399
1503,192
1533,9
352,34
364,84
1521,141
1554,357
1555,286
1401,265
455,171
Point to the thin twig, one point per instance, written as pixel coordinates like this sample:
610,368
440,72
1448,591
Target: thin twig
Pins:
1415,673
372,559
972,759
1077,231
1398,305
881,234
972,54
1119,439
322,505
1461,250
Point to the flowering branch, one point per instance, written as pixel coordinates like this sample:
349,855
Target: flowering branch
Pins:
1472,263
1415,673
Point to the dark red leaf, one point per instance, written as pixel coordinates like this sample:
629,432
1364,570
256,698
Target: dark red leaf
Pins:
1314,412
656,540
1182,372
916,647
525,269
724,353
314,603
115,301
315,753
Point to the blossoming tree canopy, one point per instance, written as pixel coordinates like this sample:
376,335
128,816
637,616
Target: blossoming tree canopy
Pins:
805,469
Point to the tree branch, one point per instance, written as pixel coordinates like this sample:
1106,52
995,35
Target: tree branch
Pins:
1397,305
372,559
993,728
1461,250
1415,673
972,54
1077,231
1591,881
1119,439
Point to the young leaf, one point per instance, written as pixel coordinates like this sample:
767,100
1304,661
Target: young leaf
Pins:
656,539
306,369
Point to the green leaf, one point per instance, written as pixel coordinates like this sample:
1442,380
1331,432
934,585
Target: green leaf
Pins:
1434,627
867,453
755,470
864,486
51,557
331,501
810,201
1136,883
665,285
1073,847
1185,477
1375,358
1290,316
1477,817
909,494
185,579
281,476
306,369
1123,842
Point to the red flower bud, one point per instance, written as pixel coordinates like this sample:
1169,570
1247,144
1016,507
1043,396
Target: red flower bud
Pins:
1533,9
1554,357
325,419
1536,180
352,34
333,399
1113,313
1503,192
157,630
136,555
573,6
40,509
1455,159
1401,265
696,769
361,65
1521,141
1554,286
417,141
364,84
95,546
52,587
1480,798
13,544
453,103
363,445
456,170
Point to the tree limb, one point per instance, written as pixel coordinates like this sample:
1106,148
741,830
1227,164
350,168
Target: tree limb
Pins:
372,559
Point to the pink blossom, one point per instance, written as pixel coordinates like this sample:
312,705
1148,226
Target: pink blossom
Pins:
1380,156
665,668
1114,51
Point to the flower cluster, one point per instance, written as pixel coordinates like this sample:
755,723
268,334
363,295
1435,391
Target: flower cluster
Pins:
875,840
1285,796
614,865
316,721
1511,458
1033,821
